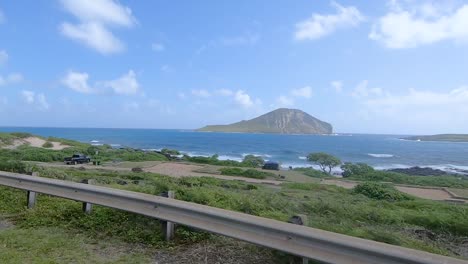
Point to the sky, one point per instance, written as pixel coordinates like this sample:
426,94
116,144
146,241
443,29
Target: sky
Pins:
389,67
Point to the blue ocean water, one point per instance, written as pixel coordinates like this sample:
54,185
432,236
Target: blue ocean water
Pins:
381,151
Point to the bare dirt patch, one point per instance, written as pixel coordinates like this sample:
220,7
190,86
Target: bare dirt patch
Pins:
433,194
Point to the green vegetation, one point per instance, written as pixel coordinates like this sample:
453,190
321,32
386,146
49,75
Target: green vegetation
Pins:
47,144
311,172
253,161
353,169
381,191
280,121
332,208
326,161
166,151
8,138
387,176
213,160
249,173
441,137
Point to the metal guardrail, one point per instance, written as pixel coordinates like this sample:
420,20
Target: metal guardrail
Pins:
302,241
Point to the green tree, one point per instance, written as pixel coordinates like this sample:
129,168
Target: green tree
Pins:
351,169
253,161
326,161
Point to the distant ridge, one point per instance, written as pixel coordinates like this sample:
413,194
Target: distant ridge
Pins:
279,121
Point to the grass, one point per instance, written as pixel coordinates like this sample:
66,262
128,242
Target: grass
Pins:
56,245
437,181
248,173
327,207
312,172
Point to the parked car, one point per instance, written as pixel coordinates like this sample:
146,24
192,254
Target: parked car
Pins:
77,159
271,165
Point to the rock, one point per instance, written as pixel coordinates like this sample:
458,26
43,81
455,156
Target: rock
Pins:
420,171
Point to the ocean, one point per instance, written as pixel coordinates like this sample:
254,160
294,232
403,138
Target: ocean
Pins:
379,151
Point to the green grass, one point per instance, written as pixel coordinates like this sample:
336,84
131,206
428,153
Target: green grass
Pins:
56,245
248,173
438,181
312,172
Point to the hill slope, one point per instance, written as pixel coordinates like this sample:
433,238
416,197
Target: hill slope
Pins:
280,121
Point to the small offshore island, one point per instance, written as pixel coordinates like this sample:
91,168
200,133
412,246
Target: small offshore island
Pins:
440,137
279,121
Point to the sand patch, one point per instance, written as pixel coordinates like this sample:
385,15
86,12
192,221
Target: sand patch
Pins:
35,142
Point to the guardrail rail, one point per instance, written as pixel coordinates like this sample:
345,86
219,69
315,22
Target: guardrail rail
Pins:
316,244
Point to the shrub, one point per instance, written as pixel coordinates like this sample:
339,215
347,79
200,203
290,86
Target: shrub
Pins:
253,161
170,151
137,169
351,169
48,144
13,166
380,191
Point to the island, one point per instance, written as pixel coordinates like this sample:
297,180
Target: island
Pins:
279,121
440,137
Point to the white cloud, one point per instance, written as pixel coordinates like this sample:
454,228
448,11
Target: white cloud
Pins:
125,85
158,47
362,90
41,100
409,27
320,25
438,111
95,19
3,57
243,99
305,92
95,35
28,96
77,81
284,101
337,86
201,93
224,92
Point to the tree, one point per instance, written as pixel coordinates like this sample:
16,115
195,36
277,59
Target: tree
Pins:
350,169
326,161
253,161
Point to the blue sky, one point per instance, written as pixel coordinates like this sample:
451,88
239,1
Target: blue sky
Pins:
364,66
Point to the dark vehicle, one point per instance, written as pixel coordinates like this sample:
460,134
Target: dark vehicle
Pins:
271,165
77,159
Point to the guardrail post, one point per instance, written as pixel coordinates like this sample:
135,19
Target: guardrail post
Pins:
31,197
166,226
87,207
298,220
